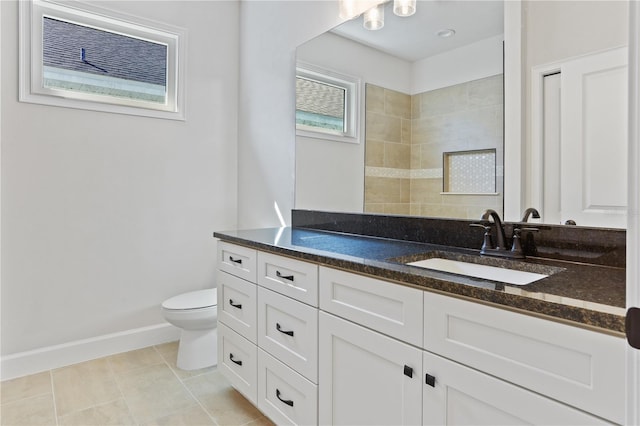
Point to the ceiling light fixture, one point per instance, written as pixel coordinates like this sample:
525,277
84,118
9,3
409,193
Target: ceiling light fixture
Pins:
374,18
404,8
348,9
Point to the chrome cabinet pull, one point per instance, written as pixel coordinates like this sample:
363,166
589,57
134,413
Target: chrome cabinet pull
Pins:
284,277
285,401
287,332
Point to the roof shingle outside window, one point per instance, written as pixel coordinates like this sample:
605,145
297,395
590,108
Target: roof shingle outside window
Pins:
106,53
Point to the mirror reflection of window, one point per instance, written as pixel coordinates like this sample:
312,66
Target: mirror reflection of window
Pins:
320,106
326,104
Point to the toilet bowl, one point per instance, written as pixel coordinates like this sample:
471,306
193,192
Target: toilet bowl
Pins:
196,313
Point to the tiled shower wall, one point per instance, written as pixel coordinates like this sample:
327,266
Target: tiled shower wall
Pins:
406,137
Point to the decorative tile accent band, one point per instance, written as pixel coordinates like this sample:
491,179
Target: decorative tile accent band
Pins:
388,172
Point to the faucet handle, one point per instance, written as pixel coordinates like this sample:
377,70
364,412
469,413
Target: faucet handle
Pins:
485,226
516,246
487,242
526,229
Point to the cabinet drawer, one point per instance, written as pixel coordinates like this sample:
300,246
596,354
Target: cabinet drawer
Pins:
237,302
293,278
283,395
237,260
389,308
237,361
288,330
579,367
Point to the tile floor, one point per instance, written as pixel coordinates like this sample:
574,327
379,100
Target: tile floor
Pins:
142,387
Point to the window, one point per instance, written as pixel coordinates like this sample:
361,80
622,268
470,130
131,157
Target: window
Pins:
326,104
90,58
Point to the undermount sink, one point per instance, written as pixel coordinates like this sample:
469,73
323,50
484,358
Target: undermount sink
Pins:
493,273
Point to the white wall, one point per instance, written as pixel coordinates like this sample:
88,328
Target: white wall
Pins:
270,32
557,30
467,63
104,215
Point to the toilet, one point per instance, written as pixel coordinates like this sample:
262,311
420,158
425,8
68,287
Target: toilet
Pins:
196,313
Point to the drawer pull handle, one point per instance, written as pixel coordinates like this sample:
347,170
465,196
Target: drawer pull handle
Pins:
287,332
430,380
233,360
408,371
284,277
285,401
238,261
235,305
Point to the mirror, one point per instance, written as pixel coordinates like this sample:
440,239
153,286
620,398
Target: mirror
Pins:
349,176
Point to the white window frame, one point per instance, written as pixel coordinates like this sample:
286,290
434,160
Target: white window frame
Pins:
352,86
32,90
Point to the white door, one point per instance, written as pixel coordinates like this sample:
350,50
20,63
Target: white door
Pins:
594,117
366,378
551,167
457,395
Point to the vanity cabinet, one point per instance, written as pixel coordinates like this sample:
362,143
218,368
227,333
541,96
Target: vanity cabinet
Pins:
268,331
474,364
311,344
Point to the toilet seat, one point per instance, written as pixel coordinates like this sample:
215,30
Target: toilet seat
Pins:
192,300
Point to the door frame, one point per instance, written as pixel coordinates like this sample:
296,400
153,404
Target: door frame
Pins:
534,196
633,217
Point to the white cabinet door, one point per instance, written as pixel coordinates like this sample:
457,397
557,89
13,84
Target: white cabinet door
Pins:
576,366
364,376
458,395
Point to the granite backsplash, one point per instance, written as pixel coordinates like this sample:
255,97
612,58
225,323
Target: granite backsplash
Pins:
598,246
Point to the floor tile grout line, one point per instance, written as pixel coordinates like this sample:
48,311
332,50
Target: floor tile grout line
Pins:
53,397
102,403
187,388
122,395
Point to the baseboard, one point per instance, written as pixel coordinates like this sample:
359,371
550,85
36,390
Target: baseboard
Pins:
47,358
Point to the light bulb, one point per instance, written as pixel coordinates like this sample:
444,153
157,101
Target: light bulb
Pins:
404,7
348,9
374,18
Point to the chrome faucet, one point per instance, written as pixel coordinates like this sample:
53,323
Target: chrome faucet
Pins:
500,235
530,212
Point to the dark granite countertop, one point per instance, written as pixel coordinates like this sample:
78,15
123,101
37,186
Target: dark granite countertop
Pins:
582,294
